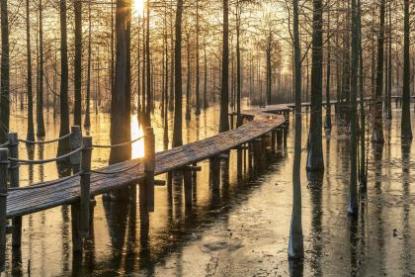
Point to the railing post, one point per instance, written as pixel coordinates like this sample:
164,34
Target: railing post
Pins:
75,141
14,183
85,187
4,163
149,166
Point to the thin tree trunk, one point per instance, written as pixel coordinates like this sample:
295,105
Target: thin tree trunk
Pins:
148,68
177,129
30,126
269,69
296,244
5,73
78,63
197,89
327,124
87,122
238,67
188,80
353,207
39,88
64,108
406,130
205,84
224,122
378,120
363,178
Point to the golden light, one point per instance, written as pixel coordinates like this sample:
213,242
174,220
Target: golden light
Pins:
138,7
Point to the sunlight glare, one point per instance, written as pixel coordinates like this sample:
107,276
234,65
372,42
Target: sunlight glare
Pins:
138,7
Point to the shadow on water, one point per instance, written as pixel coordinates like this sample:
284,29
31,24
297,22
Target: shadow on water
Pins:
131,254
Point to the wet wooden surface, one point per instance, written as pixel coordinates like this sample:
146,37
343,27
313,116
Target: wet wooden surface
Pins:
66,191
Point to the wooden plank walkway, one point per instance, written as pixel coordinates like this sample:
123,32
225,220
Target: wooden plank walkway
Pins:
66,191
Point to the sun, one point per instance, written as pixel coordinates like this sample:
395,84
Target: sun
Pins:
138,7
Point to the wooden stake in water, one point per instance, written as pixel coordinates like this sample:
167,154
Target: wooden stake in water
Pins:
4,153
149,167
85,187
14,183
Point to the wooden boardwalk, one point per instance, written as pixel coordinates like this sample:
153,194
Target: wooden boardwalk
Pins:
51,194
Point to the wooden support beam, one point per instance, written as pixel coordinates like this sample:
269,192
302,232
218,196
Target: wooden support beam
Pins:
75,223
14,183
149,167
4,163
85,187
188,187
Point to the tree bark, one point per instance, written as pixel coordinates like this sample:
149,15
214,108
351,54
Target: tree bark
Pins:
177,129
353,207
78,63
39,88
315,152
87,122
5,73
406,130
296,244
224,122
378,120
30,125
64,108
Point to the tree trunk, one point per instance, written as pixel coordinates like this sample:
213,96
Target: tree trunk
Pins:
149,104
121,95
5,73
353,207
188,80
315,152
295,244
378,120
269,69
238,67
39,88
327,124
78,63
197,89
87,122
224,122
177,129
64,109
406,131
30,127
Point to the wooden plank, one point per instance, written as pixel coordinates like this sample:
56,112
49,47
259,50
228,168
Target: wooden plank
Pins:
46,196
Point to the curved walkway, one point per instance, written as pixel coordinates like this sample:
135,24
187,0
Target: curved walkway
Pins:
66,191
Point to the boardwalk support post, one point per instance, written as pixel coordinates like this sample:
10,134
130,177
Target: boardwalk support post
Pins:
188,186
4,163
75,141
14,183
273,141
85,187
149,167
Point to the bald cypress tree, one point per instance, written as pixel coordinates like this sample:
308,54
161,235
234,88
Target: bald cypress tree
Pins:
177,125
224,122
377,136
5,73
406,131
315,148
64,108
30,126
78,63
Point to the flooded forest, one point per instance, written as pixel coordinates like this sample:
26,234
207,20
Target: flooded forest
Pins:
207,138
